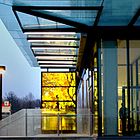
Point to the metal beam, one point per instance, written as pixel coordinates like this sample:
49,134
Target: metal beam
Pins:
52,46
57,64
19,22
106,32
63,67
98,16
51,30
66,55
134,19
63,60
119,32
57,7
111,32
54,17
52,38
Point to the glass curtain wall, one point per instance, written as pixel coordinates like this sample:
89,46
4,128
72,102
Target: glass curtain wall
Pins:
134,86
112,78
119,81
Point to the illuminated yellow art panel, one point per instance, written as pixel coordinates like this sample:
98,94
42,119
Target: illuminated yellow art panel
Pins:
58,93
58,97
58,79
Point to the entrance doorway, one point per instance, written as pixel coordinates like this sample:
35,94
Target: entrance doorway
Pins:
134,113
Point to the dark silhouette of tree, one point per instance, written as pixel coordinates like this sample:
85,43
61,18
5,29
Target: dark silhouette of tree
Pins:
14,101
22,103
70,85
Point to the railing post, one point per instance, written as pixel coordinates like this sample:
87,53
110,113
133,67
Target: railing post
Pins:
58,117
26,122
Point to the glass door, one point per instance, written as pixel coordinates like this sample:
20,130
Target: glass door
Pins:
134,111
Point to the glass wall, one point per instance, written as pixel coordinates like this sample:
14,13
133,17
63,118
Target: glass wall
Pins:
58,97
134,86
113,79
122,80
119,90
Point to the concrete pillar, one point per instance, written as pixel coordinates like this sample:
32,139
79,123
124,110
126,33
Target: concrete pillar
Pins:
110,87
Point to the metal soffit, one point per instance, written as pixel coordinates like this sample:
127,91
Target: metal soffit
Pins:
54,28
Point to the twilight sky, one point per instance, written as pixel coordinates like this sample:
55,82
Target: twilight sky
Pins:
19,77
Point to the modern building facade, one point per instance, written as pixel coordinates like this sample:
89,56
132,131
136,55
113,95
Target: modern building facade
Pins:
97,42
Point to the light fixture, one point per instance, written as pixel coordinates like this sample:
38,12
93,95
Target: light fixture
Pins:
56,57
50,41
95,69
54,48
2,70
57,62
58,70
51,33
56,66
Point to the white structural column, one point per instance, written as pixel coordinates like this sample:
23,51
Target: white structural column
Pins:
110,87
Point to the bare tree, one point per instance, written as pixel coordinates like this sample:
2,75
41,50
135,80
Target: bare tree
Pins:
21,103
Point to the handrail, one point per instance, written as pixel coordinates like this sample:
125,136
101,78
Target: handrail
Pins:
31,119
10,122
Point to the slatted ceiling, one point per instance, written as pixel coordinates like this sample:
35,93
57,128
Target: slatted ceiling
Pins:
37,48
58,51
55,55
54,44
54,38
52,29
57,66
61,35
63,66
57,43
56,62
63,60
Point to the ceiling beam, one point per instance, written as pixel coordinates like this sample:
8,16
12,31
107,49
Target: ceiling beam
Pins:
52,38
57,7
134,19
116,32
57,55
58,29
62,67
54,17
52,46
98,16
63,60
56,64
111,32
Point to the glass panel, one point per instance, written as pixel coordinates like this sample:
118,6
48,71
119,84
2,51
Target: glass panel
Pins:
135,86
58,79
32,22
82,16
58,96
118,67
27,20
65,93
122,78
95,99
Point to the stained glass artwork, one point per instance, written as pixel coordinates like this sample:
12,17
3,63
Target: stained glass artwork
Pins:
58,79
59,91
58,97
